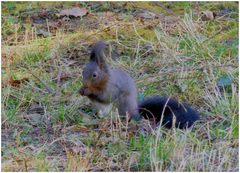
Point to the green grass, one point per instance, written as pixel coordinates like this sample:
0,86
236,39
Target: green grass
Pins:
44,122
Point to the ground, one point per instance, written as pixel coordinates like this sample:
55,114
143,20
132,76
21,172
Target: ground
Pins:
186,50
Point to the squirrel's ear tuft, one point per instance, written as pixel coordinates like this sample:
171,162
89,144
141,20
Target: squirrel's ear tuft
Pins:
97,54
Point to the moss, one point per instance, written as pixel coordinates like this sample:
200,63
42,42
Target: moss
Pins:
147,34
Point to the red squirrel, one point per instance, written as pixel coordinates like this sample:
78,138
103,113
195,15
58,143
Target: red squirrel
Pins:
104,85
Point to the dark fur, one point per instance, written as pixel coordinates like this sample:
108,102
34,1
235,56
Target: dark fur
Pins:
154,106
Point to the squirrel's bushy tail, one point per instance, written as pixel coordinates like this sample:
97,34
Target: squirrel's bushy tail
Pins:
155,107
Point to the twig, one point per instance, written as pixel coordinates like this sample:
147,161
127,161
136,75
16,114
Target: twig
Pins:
23,100
218,32
153,117
199,68
56,140
45,85
140,37
101,30
171,12
59,79
94,148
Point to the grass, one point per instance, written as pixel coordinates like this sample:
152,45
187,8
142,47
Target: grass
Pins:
44,121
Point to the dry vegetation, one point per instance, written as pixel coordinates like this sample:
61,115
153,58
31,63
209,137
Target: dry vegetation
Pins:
166,47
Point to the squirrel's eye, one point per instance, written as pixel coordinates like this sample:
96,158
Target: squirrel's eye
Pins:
94,75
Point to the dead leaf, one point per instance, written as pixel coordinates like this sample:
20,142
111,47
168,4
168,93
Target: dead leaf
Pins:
75,128
146,15
41,32
13,82
86,116
75,12
78,150
170,19
34,118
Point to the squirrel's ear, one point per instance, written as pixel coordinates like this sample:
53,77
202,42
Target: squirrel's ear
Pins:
97,54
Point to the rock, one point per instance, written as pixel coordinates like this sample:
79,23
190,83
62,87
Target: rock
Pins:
207,15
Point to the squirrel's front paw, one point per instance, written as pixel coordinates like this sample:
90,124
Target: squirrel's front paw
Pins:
84,91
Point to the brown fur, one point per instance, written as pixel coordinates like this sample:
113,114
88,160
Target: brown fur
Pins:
100,87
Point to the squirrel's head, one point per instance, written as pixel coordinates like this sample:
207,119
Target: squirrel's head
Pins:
95,73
